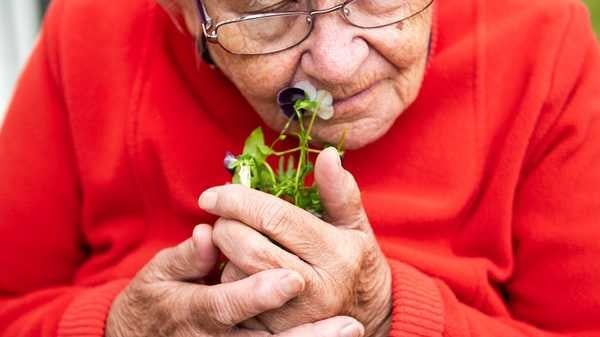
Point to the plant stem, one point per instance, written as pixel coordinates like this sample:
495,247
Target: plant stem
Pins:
286,152
300,121
271,172
304,138
312,121
283,131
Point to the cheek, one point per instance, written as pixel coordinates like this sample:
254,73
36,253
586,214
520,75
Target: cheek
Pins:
258,78
404,45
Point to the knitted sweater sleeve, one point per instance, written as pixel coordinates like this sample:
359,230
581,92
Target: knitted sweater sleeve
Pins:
40,213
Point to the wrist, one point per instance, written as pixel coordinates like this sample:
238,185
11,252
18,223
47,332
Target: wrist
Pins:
380,312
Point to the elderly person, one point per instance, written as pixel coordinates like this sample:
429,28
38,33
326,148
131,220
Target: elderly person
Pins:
467,203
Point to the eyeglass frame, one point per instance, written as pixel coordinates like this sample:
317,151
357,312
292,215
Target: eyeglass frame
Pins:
210,29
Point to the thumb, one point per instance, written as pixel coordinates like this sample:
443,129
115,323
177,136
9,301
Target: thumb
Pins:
190,260
339,192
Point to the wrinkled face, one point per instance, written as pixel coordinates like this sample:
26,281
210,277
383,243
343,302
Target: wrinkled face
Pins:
373,74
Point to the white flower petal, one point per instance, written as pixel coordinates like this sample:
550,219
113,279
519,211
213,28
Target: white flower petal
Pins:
309,89
246,176
324,98
326,112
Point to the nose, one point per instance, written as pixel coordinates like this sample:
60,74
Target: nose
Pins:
334,52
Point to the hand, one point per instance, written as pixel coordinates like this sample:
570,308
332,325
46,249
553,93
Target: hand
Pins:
340,260
164,300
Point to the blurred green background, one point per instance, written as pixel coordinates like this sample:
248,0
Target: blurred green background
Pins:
595,9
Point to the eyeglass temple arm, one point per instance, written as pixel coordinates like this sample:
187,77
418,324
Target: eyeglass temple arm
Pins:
202,11
206,21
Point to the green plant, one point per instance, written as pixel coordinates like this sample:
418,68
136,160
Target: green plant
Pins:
302,104
594,6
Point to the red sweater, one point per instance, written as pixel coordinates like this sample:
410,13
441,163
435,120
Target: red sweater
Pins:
488,185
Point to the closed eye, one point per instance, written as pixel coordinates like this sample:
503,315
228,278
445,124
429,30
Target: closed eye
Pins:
282,6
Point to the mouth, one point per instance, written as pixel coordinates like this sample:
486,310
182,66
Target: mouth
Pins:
356,101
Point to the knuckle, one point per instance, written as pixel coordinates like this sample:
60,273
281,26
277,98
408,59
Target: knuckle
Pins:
259,256
344,258
138,295
161,257
218,309
221,232
274,218
234,195
154,270
267,296
179,265
224,309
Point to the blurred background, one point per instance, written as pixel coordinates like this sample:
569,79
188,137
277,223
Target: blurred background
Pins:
19,23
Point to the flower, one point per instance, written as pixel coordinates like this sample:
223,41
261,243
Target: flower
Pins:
287,97
245,175
230,162
323,98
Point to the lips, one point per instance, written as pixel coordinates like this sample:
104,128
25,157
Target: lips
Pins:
346,99
356,100
343,93
355,93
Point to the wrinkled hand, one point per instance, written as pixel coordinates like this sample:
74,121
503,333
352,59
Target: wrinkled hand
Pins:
339,258
167,298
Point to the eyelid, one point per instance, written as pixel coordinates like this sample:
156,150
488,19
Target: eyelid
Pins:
271,8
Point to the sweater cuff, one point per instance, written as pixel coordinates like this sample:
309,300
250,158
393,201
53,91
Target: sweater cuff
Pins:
417,305
86,315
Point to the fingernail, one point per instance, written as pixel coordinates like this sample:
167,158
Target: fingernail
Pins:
351,330
291,284
197,233
334,152
208,200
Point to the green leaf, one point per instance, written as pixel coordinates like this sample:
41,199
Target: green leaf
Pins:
255,146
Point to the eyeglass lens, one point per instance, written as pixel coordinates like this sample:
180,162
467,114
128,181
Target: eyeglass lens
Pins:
271,34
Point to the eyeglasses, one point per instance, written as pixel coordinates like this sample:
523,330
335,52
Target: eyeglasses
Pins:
288,23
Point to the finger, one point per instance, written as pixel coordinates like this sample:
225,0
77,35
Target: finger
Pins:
333,327
339,192
294,228
229,304
232,273
190,260
252,252
339,326
254,324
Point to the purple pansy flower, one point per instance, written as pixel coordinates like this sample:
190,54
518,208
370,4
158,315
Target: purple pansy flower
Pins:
229,162
287,97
